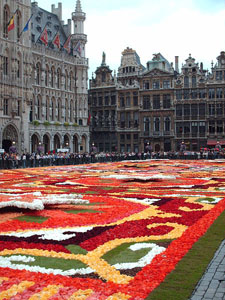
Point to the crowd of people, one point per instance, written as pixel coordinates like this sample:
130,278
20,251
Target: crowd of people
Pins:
31,160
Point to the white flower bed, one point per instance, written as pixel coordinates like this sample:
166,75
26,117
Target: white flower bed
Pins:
39,200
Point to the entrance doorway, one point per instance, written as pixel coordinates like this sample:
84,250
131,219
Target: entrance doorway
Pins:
46,142
6,144
9,137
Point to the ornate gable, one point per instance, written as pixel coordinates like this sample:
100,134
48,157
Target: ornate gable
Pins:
156,72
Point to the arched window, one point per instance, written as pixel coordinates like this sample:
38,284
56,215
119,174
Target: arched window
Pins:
156,124
53,109
71,81
47,109
52,76
6,14
59,110
71,111
66,110
47,75
38,73
194,81
146,125
186,81
66,81
6,63
75,111
18,24
32,110
58,78
167,124
39,107
19,65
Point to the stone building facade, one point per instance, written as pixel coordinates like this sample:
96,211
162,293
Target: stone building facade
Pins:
103,102
164,106
43,89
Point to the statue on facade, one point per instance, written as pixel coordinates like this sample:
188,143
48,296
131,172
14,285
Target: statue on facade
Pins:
103,58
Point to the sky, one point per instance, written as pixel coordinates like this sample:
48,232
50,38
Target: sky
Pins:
171,27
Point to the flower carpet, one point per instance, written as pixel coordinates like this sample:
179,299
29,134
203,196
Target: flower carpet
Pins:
102,231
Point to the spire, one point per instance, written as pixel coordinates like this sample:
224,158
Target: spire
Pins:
78,7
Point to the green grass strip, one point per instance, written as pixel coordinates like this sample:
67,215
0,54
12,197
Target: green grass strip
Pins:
180,283
53,263
122,253
82,211
32,219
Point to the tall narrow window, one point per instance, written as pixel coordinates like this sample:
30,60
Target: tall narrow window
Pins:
46,76
38,73
167,124
156,124
18,24
71,81
52,77
186,81
18,108
39,108
5,107
66,80
5,21
66,110
58,78
53,109
146,125
71,111
194,81
59,110
47,109
5,64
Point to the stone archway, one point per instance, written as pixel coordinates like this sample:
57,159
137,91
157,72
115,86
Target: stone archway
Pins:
75,144
34,143
46,143
56,142
83,144
9,136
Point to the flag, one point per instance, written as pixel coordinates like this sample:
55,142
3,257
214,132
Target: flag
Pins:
44,37
11,24
26,27
77,49
89,119
56,40
67,45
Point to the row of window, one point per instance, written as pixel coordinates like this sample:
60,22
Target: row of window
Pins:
53,110
157,124
156,84
7,107
54,78
156,102
190,127
106,100
103,119
128,99
212,93
200,127
6,66
217,109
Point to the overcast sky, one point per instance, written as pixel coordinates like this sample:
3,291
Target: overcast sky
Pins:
171,27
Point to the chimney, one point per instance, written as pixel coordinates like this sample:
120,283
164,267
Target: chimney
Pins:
177,64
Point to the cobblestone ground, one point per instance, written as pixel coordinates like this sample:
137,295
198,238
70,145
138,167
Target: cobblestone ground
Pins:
212,284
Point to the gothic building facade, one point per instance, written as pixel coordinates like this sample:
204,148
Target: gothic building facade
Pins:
164,106
43,86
